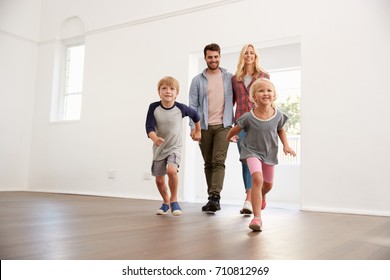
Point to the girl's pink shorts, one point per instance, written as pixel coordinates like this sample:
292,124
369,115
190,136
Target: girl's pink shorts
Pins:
256,165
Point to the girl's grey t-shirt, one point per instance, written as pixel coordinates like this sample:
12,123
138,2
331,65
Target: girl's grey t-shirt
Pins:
261,139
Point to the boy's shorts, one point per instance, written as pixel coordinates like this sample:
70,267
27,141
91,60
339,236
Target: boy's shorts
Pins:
159,167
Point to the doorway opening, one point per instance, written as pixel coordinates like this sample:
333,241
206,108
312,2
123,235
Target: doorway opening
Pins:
282,61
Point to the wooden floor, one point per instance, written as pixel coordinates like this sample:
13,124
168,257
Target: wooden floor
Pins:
73,227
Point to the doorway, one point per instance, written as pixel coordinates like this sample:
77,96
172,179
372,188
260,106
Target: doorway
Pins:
282,60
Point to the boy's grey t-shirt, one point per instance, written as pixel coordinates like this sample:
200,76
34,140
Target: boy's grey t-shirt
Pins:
261,139
167,123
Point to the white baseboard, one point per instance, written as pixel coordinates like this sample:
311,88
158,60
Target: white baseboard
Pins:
346,211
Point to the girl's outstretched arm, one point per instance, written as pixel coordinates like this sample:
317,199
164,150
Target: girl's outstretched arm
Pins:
233,132
283,138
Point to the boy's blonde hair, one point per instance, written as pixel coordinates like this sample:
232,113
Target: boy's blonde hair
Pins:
169,81
255,86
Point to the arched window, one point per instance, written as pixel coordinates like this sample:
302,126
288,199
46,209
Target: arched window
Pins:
69,71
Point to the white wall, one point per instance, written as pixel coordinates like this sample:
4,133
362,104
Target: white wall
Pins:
345,90
19,29
345,97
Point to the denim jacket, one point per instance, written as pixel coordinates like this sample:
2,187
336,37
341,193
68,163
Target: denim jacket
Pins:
198,98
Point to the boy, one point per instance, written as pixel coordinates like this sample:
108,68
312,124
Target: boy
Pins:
164,128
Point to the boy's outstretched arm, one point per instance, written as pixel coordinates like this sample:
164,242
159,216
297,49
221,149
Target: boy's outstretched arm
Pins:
283,138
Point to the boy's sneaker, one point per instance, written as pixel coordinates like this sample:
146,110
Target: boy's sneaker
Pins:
256,224
163,209
175,208
247,208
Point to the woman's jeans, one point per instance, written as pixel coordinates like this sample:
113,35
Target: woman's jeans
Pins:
246,175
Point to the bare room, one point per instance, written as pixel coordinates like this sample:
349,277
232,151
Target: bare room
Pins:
75,180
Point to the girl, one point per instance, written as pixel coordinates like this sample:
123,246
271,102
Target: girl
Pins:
248,71
259,147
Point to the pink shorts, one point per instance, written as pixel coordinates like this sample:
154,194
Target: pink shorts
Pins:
256,165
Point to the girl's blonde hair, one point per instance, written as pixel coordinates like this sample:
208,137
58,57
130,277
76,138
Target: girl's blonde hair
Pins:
240,72
169,81
255,87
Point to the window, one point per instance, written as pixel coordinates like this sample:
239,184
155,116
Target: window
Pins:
68,80
74,69
288,89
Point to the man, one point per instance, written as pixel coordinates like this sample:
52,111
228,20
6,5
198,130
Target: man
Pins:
211,95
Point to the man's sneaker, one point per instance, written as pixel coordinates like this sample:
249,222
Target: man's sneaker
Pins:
205,207
175,208
256,224
163,209
213,204
247,208
263,204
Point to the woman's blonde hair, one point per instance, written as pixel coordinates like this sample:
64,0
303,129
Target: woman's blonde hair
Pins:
169,81
255,87
240,72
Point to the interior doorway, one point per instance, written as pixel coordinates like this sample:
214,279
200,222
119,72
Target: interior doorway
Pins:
282,60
